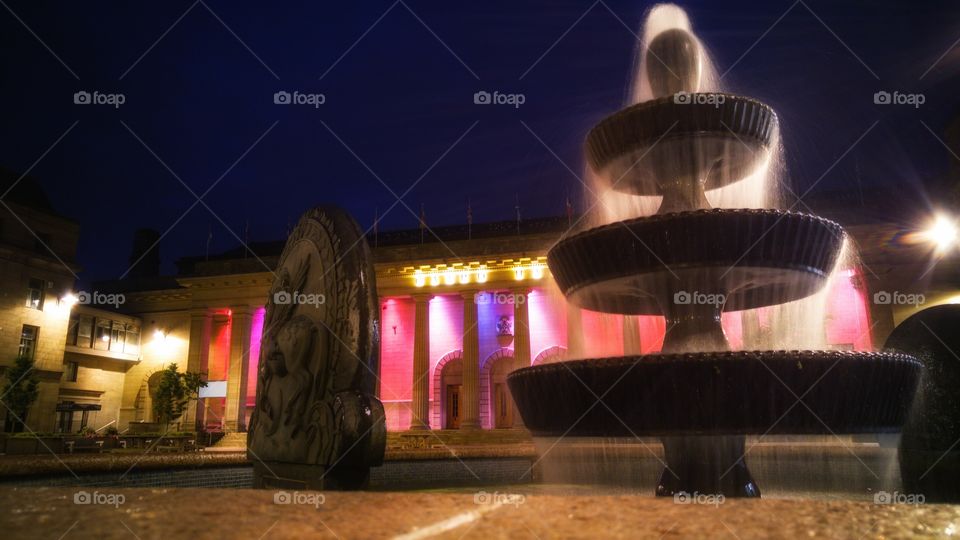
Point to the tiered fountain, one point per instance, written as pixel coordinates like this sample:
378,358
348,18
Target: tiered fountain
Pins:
689,263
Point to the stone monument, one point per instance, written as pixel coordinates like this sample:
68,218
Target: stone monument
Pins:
317,423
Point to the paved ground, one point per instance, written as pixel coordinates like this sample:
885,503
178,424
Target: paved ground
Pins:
218,514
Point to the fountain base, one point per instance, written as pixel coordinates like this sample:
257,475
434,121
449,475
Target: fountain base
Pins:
705,466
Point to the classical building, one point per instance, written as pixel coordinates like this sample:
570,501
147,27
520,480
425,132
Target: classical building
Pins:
460,313
460,309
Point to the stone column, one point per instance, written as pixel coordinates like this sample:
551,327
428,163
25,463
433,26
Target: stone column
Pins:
236,414
471,363
197,356
420,408
631,336
521,338
575,344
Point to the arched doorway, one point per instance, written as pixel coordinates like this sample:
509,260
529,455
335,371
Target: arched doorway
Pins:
447,392
496,408
551,355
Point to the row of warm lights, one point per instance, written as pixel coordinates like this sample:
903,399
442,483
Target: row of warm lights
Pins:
463,276
451,276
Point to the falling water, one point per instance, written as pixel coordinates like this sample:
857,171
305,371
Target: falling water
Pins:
810,465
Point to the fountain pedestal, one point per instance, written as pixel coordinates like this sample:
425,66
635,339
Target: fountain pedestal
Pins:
705,465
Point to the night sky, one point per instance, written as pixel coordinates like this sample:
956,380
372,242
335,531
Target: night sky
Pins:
399,78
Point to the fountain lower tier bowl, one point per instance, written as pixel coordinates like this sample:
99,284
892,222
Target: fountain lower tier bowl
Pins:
727,393
651,265
715,139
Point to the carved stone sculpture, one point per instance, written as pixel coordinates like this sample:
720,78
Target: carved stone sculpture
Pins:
317,423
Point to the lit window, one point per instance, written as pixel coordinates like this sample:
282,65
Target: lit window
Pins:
132,346
28,341
35,294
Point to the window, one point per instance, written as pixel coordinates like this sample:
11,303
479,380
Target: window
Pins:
101,338
132,346
84,331
70,371
35,294
118,335
28,341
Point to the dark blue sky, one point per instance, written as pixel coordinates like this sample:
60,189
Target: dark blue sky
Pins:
403,95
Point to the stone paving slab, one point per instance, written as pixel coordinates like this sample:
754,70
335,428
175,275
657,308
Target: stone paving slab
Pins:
219,514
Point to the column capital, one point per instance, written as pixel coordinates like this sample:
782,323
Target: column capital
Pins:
469,294
521,289
242,309
200,313
421,297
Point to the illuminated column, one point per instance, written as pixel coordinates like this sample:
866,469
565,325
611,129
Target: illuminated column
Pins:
471,363
521,338
197,355
574,332
631,336
236,414
420,408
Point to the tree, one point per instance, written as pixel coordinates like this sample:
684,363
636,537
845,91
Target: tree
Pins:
19,393
174,392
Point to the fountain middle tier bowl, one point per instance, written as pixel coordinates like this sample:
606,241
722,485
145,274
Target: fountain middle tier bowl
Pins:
727,393
714,138
650,265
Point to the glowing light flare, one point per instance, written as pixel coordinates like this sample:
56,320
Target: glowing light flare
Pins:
518,273
482,274
536,271
434,279
419,279
942,233
463,277
449,277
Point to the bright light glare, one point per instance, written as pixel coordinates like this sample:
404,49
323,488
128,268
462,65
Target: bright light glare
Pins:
943,233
